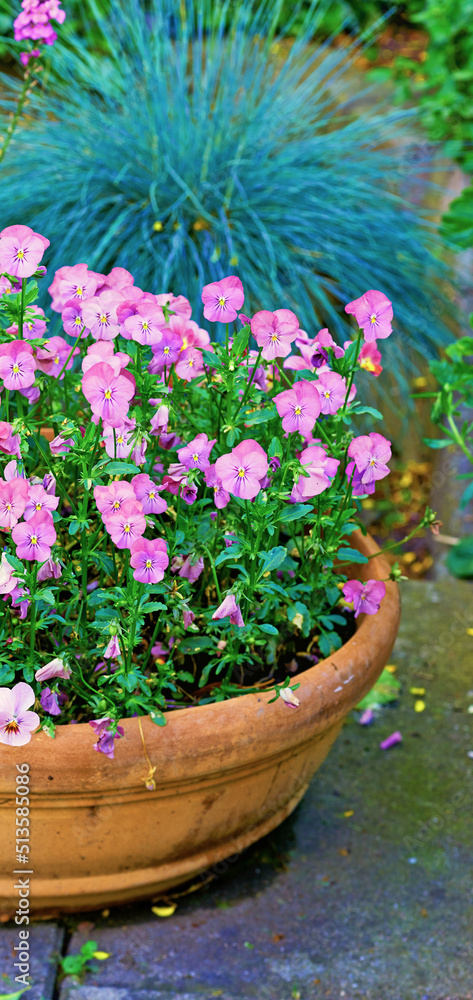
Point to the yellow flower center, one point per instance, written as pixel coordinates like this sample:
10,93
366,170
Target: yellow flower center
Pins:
108,394
77,321
327,394
298,411
103,318
274,338
372,461
38,506
56,361
34,539
16,369
120,439
152,495
148,564
20,254
184,343
241,473
190,363
79,291
116,505
221,301
373,318
195,457
145,325
8,506
127,528
367,364
12,726
165,350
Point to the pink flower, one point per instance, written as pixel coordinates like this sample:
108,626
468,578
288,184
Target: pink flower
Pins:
106,738
34,325
21,250
332,389
127,525
221,496
72,319
39,499
34,538
71,286
9,442
100,314
275,332
60,445
146,326
52,357
365,597
373,312
17,364
177,304
189,333
177,483
184,567
102,351
370,453
240,472
187,616
230,608
369,358
166,352
109,395
49,701
190,364
195,455
8,582
159,420
391,741
222,299
149,559
110,499
299,407
49,571
147,493
112,651
120,441
13,497
16,722
321,469
55,668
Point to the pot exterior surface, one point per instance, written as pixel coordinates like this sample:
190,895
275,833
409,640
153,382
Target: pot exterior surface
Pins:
226,774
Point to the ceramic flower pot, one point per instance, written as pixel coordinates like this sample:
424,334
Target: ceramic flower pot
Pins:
226,774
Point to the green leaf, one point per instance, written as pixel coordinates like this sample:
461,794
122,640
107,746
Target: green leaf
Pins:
466,497
211,360
386,689
116,468
157,717
74,526
371,410
153,606
294,511
260,416
269,629
275,448
460,559
351,555
437,442
196,644
240,342
272,559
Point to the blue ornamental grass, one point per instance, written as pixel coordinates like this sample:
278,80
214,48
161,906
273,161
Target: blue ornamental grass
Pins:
198,142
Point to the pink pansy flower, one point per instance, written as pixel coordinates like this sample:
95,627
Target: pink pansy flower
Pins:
109,395
8,582
21,250
358,488
39,499
127,525
187,616
102,350
183,566
19,602
16,722
370,453
230,609
299,408
9,442
189,333
71,286
221,496
49,571
319,348
190,364
159,421
149,560
321,469
55,668
177,483
177,304
13,497
34,325
5,285
72,319
146,326
195,455
369,358
34,538
49,701
373,312
119,278
61,445
112,651
14,470
332,389
110,499
147,493
52,357
100,314
365,597
166,353
120,441
106,738
240,472
17,364
275,332
222,299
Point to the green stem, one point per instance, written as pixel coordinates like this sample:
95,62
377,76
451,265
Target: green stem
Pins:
283,374
458,439
214,573
22,308
133,624
148,651
250,383
33,615
16,117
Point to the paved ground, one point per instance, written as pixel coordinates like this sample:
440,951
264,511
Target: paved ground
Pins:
365,892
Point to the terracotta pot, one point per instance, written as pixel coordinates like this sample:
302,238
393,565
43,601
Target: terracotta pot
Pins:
226,774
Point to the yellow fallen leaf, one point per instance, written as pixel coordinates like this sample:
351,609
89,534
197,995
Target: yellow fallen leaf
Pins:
349,812
101,955
391,668
419,705
418,691
164,911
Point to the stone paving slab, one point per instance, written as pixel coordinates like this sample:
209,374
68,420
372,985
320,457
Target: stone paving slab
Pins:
44,940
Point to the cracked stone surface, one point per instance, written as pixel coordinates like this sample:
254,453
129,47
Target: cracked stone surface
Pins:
44,941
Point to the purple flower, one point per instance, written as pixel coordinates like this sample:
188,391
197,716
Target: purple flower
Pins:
55,668
17,364
373,312
187,616
105,742
146,326
321,469
99,314
166,353
126,526
230,608
39,499
190,364
21,250
109,395
195,455
332,389
240,472
149,559
184,567
148,494
391,741
221,497
13,497
34,538
299,407
49,702
222,299
16,722
365,597
110,499
370,453
275,332
112,650
49,571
